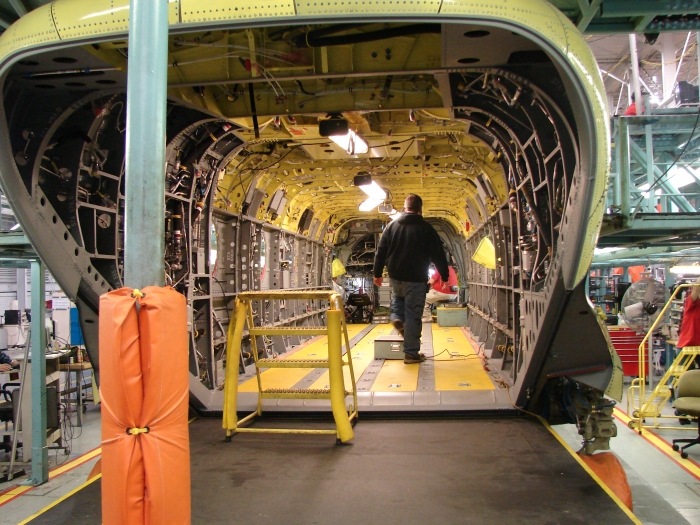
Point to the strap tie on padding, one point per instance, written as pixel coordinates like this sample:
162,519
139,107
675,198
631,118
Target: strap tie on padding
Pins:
138,293
137,431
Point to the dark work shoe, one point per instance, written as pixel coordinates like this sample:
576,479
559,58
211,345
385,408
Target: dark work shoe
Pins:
412,359
398,324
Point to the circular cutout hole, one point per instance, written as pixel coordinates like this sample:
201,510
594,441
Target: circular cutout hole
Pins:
75,84
329,151
65,60
65,236
478,33
45,86
106,81
583,312
89,269
469,60
42,201
97,277
103,284
77,251
89,321
28,63
54,219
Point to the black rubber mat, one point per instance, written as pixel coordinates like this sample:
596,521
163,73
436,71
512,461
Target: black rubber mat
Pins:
468,471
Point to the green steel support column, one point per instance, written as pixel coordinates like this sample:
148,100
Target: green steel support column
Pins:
682,203
145,143
40,454
623,152
651,198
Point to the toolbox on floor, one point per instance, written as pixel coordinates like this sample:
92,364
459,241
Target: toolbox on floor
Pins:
388,347
452,316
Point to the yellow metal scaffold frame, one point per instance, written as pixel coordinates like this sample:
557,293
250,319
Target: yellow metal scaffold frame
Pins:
652,405
336,331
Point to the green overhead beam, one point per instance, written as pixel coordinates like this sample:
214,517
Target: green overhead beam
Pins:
635,8
633,253
19,7
643,22
6,20
588,11
14,239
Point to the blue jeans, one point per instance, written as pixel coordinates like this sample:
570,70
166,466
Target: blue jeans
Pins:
407,305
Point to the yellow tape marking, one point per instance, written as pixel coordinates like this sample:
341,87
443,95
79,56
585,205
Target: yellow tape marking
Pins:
659,443
59,500
362,354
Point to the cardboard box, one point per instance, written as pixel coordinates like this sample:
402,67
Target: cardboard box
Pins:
388,347
452,317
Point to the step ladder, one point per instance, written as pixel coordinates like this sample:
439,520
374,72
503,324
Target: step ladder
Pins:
658,398
335,330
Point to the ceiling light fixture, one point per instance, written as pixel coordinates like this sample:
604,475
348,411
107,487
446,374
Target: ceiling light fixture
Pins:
370,204
374,191
351,142
338,130
685,270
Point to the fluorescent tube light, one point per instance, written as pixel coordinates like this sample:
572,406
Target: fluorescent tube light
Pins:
351,142
374,191
685,270
370,204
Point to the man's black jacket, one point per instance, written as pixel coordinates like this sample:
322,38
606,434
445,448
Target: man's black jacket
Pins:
406,247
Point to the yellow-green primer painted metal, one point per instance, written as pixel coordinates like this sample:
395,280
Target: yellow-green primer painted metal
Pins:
85,19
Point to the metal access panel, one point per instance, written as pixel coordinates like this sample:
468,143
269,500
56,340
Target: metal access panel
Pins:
388,347
452,317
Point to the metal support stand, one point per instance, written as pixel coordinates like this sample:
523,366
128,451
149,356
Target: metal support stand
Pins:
40,454
145,143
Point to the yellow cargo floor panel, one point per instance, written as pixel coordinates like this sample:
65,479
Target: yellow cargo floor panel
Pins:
457,366
288,377
362,355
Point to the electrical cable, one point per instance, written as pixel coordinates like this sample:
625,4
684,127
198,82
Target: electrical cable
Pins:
400,158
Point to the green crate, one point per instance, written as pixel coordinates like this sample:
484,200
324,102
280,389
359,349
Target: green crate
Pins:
388,347
452,317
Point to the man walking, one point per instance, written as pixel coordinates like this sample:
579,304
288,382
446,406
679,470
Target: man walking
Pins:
406,248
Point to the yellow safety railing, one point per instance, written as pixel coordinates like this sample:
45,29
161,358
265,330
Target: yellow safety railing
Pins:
335,330
651,406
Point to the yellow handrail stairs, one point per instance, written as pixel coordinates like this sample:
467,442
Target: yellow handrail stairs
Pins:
335,329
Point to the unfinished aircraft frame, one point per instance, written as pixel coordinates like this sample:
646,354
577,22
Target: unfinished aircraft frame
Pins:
493,112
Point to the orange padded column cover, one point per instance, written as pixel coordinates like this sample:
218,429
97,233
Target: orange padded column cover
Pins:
144,385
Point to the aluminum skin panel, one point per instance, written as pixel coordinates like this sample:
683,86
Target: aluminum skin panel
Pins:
220,10
33,29
76,18
339,7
